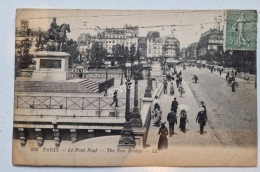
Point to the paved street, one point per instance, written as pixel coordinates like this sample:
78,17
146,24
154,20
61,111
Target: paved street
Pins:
192,135
232,118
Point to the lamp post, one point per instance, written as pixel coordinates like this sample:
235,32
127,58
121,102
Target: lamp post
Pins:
148,88
106,68
135,117
122,76
127,138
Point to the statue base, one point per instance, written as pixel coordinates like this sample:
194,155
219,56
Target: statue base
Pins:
51,66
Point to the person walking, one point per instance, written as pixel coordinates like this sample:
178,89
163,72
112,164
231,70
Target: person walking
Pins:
177,82
156,103
202,119
181,90
183,120
174,106
156,82
180,80
235,74
115,100
165,87
163,141
233,84
227,76
220,71
172,119
171,89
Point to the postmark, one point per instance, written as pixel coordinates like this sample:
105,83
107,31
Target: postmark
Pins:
241,30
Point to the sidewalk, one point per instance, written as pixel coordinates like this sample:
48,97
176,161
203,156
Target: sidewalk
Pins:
249,84
192,136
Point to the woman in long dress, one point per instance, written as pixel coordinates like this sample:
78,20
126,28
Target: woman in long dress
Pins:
171,89
183,120
163,141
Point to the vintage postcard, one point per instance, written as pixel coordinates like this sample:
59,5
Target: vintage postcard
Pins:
135,88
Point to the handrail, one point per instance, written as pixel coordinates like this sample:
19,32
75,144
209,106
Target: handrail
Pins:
71,103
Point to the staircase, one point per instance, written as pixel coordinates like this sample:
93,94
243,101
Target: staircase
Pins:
156,70
90,84
55,87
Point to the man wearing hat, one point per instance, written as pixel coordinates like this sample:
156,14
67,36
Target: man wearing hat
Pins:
202,119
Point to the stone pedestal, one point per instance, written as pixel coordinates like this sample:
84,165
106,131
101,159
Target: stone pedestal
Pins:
51,66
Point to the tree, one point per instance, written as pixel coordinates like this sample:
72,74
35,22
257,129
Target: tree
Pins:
23,57
132,52
71,47
98,55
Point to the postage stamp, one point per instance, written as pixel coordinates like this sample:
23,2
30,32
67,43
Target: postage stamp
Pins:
241,28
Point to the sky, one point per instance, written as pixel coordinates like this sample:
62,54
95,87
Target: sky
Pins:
186,26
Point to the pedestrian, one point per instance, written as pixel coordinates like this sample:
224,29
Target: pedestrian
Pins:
196,79
227,76
211,69
183,120
165,87
177,82
233,84
156,82
171,89
172,119
174,106
115,100
201,119
156,103
180,80
220,71
163,141
235,74
181,90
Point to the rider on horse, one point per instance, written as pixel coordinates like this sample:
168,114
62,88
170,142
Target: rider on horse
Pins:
54,29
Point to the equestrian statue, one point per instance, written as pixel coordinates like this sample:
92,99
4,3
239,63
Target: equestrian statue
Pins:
55,38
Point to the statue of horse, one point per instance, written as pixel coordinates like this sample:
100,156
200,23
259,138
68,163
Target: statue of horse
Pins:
61,38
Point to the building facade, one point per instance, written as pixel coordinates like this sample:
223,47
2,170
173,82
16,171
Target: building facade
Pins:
210,42
171,47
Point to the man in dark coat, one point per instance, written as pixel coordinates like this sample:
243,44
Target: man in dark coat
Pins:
202,119
177,82
174,106
172,119
165,87
115,99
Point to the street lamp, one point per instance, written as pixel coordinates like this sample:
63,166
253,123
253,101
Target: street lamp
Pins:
149,81
106,68
135,117
127,138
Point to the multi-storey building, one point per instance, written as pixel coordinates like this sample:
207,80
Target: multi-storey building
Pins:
113,37
131,33
210,42
154,45
171,47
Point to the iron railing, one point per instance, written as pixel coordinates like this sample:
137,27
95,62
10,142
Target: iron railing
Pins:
71,103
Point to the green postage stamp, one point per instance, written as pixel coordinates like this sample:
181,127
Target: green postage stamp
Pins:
241,29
